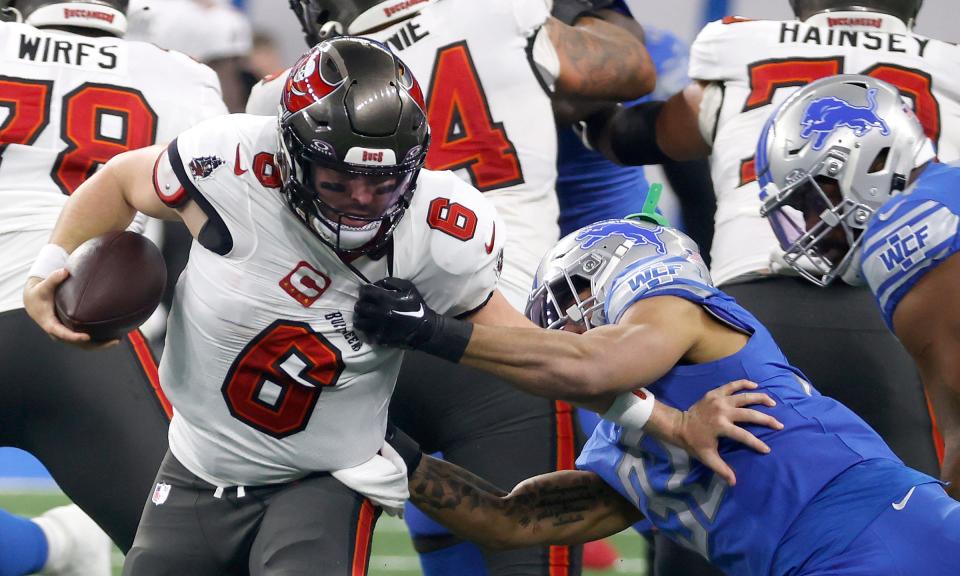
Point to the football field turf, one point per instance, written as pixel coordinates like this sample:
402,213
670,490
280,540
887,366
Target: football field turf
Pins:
392,553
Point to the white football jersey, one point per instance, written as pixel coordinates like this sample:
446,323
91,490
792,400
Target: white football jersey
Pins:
69,103
758,64
267,378
490,115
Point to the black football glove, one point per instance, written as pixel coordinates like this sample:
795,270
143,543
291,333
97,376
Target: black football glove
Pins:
391,312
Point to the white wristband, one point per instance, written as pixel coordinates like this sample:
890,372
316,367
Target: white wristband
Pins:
631,410
50,259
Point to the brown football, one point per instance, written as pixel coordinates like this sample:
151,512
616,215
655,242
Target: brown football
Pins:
116,282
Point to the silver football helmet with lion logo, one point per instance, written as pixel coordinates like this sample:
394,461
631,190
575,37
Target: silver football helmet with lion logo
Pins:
827,158
577,281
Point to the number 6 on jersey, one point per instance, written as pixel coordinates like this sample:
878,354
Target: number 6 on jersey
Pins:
276,380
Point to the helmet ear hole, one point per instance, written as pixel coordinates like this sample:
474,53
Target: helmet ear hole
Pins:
880,161
798,150
331,71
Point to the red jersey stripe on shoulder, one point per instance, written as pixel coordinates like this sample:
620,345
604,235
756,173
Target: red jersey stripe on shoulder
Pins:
163,184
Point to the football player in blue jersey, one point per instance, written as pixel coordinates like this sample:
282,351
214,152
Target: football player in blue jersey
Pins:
852,191
631,307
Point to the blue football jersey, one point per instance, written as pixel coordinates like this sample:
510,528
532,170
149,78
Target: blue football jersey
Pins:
739,529
910,235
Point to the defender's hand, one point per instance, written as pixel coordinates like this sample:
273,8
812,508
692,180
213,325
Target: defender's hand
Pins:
392,312
717,415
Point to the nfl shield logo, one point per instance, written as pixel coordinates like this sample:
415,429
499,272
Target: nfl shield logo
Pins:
160,493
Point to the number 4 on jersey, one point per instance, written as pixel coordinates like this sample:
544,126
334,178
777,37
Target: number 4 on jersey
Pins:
464,134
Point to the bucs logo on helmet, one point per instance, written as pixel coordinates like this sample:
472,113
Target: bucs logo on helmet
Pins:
306,84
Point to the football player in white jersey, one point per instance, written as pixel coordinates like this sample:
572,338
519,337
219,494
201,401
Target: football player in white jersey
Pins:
490,70
742,70
279,407
72,95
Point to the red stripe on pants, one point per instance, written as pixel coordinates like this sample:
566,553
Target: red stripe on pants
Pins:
361,548
566,457
149,365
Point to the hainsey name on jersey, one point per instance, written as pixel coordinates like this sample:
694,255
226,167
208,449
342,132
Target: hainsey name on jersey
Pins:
797,33
69,103
794,54
489,114
267,377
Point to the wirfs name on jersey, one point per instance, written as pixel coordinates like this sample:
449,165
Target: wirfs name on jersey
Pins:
797,33
63,50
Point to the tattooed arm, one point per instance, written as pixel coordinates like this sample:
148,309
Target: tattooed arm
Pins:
567,507
601,59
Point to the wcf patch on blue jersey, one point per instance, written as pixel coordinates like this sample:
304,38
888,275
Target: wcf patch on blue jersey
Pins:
654,276
905,247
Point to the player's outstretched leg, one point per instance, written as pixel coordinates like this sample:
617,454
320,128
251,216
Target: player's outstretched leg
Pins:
314,526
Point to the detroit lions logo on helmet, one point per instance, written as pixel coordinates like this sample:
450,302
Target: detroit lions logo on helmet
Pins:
589,237
824,115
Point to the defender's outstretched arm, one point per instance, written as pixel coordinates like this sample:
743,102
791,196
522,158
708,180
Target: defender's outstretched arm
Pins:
566,507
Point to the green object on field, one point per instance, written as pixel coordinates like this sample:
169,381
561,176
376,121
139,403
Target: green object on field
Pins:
649,211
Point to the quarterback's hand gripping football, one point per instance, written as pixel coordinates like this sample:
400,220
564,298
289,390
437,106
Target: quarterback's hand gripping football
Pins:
38,301
391,312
